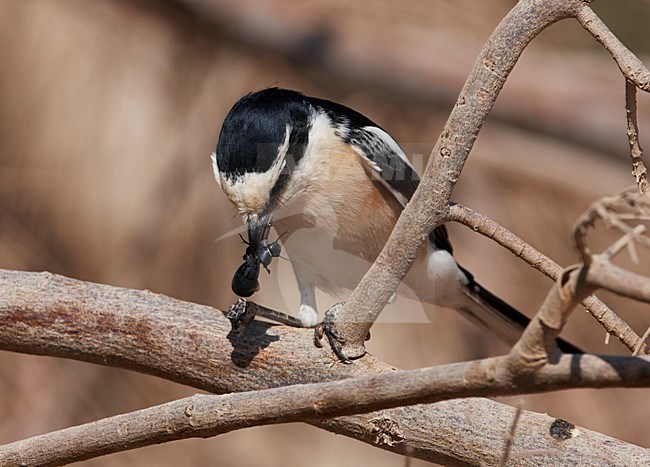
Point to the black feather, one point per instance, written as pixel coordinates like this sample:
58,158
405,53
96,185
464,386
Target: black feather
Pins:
255,129
510,313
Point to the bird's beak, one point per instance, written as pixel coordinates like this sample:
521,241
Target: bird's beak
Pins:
259,252
259,226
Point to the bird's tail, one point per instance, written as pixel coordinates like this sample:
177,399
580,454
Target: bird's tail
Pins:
505,322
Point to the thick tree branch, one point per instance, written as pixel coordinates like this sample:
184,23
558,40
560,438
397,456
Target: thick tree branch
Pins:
210,415
53,315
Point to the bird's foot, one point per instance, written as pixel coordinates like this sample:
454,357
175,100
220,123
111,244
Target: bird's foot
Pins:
328,328
241,315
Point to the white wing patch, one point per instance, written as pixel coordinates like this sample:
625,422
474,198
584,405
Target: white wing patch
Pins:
395,159
386,138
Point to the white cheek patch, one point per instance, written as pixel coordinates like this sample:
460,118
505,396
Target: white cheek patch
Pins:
215,168
250,192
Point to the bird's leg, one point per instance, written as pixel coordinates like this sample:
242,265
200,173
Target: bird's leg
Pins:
307,313
243,312
309,318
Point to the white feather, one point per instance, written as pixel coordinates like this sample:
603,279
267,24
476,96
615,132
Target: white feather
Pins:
386,138
376,170
215,168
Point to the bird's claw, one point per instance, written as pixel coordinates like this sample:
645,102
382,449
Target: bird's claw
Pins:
328,328
240,315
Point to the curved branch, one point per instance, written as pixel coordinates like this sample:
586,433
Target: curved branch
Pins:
632,68
45,314
429,206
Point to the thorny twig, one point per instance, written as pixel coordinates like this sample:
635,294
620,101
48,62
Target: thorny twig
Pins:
639,346
615,212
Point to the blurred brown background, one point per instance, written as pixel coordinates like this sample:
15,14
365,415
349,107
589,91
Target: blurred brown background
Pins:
109,110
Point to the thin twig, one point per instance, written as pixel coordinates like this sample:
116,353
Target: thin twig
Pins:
580,229
408,456
631,67
614,211
639,346
626,241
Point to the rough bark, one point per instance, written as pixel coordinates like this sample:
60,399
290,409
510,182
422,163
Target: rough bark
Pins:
41,313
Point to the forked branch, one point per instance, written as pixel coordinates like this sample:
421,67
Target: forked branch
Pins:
612,323
429,206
